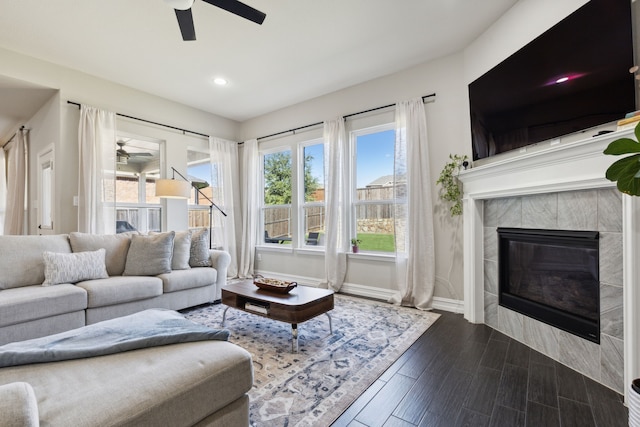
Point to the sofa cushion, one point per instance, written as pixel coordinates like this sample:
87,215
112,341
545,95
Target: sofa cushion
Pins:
72,268
150,255
18,405
179,280
115,245
200,256
172,385
27,303
21,262
120,289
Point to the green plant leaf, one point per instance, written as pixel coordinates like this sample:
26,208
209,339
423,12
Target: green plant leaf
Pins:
619,167
628,181
622,146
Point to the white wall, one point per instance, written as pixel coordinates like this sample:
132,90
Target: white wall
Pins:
76,86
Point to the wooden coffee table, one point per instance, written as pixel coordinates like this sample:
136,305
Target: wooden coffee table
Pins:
299,305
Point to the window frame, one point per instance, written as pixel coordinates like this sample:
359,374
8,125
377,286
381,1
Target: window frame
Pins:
263,206
143,208
352,196
303,204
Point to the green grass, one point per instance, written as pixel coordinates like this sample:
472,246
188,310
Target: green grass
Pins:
376,242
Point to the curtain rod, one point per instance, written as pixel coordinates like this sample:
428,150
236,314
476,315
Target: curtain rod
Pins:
14,135
432,95
149,121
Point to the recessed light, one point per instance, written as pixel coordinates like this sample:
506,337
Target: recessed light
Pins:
220,81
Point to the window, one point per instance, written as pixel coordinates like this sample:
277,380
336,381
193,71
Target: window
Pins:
312,199
199,172
277,197
374,187
137,168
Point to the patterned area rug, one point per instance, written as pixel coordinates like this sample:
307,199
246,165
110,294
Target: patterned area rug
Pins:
313,387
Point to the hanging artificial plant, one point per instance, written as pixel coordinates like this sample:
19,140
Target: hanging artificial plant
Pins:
626,171
451,190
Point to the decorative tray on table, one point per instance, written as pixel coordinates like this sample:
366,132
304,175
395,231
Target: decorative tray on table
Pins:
273,285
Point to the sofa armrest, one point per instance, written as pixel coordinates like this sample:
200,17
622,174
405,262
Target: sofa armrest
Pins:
18,405
220,260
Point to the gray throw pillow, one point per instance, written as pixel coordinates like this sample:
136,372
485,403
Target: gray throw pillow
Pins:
150,255
73,268
181,250
200,256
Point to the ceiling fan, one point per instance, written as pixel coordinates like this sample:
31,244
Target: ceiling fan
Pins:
185,18
122,155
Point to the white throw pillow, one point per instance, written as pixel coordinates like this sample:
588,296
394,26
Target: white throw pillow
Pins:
74,267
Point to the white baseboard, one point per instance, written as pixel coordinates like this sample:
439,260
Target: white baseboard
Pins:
439,303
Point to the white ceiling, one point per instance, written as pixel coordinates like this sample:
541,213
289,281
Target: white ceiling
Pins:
304,49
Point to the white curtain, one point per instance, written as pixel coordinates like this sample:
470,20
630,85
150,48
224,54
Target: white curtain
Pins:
415,255
3,189
336,181
16,151
96,175
250,205
224,182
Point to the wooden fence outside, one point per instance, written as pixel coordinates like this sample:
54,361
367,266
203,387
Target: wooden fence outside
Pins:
277,220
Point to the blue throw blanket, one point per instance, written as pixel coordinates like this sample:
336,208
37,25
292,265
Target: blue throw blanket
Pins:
148,328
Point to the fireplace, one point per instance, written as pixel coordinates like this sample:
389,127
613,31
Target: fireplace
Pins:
552,276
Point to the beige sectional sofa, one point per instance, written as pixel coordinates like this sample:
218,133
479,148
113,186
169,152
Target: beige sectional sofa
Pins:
203,383
30,310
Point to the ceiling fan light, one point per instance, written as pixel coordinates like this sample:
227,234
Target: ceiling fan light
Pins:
180,4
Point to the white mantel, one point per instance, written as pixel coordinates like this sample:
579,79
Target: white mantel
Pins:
578,165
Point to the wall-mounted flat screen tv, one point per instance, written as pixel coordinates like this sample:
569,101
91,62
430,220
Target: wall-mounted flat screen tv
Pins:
572,77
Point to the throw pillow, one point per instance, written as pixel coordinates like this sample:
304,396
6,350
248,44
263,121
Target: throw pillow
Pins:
181,250
200,256
73,268
116,246
150,255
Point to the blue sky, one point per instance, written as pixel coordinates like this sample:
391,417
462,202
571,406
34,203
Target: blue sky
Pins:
375,157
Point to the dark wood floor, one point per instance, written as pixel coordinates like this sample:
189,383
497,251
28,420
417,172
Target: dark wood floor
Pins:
460,374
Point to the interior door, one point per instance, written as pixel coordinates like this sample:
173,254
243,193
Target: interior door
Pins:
46,190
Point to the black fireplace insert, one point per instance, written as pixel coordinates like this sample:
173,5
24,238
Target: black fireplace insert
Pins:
552,276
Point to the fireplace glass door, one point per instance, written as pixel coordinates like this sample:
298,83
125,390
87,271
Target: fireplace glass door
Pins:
552,276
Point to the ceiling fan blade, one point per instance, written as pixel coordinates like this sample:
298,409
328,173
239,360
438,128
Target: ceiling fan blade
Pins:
140,154
240,9
185,21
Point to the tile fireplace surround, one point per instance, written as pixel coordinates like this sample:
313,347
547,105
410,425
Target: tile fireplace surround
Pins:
559,187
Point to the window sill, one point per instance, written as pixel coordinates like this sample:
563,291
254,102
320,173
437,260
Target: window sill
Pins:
383,257
275,248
